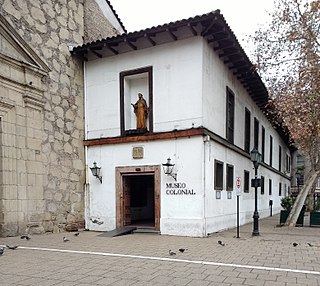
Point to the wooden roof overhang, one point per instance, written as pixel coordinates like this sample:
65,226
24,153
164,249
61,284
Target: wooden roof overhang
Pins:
212,27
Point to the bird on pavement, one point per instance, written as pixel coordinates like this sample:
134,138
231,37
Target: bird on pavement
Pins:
76,234
65,239
182,250
221,243
172,252
294,244
12,246
1,250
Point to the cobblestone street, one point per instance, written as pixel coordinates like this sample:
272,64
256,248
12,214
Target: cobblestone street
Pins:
143,259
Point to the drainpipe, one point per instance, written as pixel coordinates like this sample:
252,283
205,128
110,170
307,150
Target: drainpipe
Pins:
86,184
206,144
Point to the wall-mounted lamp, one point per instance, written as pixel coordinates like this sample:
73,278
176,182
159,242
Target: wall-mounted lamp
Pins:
168,169
96,171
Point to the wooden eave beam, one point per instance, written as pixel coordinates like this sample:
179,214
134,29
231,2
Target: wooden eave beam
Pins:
229,54
234,62
111,48
222,47
241,68
95,53
206,30
128,42
256,89
249,76
153,43
215,39
192,29
173,36
150,137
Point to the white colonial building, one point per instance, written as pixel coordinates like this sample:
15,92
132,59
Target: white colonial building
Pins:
206,112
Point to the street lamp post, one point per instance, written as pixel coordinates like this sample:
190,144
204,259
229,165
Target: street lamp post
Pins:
256,160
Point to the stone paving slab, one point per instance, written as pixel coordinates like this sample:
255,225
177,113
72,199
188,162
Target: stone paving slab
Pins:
143,259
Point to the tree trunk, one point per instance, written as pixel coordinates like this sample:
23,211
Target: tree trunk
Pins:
298,204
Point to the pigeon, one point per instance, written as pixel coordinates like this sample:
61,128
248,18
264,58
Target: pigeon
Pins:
12,246
1,250
65,239
294,244
182,250
76,234
221,243
171,252
97,222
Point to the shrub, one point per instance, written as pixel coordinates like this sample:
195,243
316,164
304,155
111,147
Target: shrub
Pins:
287,203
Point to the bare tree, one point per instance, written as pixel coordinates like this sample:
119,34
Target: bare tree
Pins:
287,53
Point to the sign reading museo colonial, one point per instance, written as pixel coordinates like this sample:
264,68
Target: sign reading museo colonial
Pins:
178,189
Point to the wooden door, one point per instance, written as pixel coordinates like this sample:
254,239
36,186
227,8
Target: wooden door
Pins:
126,201
123,214
157,200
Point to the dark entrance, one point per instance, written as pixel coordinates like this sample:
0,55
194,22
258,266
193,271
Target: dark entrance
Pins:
139,200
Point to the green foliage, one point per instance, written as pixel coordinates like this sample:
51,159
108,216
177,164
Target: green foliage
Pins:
287,203
316,206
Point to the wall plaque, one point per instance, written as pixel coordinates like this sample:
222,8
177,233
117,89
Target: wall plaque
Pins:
137,152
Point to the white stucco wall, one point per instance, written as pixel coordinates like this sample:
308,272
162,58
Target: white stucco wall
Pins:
177,87
216,77
180,214
222,213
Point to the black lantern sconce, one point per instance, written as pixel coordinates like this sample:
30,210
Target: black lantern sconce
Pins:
96,171
168,169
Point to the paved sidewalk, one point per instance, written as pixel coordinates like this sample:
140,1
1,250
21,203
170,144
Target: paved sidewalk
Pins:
143,259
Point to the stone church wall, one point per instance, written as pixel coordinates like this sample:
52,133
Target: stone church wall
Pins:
52,197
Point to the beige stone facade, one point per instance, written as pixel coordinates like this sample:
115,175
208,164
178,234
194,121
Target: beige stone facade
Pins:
42,167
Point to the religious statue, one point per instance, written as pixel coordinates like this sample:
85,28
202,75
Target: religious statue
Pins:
140,109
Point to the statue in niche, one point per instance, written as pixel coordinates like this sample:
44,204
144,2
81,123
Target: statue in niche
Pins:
140,109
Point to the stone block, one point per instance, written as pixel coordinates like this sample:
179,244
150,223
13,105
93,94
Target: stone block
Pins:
8,229
10,9
41,28
20,142
22,193
9,192
35,192
31,179
37,230
38,14
58,197
36,167
48,226
10,206
52,207
75,198
64,34
56,229
60,123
